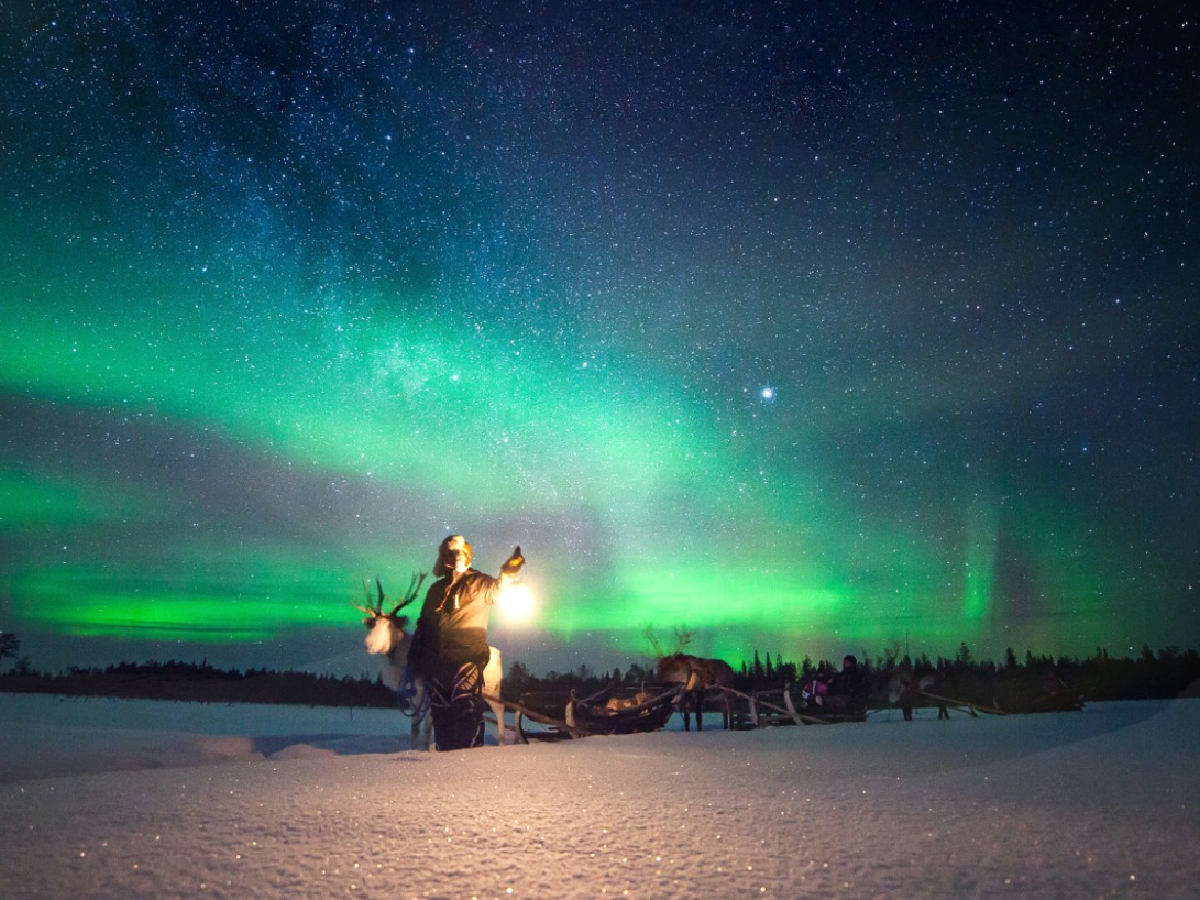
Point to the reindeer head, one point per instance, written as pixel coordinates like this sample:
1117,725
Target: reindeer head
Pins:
386,629
677,666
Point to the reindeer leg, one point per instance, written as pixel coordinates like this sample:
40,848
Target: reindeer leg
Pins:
423,729
427,726
493,678
422,721
501,731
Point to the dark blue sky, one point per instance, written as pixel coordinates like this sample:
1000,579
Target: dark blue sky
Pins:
806,329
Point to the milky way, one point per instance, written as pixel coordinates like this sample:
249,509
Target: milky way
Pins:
804,329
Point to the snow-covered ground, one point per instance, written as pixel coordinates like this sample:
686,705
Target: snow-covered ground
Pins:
128,799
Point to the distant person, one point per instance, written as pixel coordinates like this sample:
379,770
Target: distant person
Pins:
450,643
906,685
940,685
814,691
1052,683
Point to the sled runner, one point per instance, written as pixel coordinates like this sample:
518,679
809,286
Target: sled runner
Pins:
1058,701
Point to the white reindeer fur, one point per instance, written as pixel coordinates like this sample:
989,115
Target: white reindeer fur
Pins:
388,640
898,681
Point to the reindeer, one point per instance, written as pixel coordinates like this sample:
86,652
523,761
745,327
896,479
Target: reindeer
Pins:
699,677
905,686
388,636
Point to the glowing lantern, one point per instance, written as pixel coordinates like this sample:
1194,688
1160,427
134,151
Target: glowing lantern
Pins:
516,601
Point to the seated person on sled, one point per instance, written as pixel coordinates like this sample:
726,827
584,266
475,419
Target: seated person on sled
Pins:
845,694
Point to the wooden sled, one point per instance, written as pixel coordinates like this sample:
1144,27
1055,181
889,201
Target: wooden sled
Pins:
854,710
617,709
761,712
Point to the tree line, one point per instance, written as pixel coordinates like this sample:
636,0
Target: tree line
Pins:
175,680
1153,674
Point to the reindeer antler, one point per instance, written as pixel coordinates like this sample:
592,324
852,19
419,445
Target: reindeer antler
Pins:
377,609
683,637
654,645
414,588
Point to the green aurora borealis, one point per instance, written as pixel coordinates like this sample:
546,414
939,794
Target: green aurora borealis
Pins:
346,282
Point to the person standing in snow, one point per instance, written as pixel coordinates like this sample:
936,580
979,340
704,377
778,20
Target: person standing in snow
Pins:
450,645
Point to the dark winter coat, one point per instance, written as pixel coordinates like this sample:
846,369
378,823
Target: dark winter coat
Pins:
452,628
853,682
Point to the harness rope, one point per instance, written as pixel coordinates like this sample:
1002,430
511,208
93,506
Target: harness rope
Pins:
408,690
468,682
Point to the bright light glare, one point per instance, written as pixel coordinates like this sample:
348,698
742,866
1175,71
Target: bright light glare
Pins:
516,601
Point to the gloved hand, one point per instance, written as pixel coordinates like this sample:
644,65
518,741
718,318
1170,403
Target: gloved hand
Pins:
513,564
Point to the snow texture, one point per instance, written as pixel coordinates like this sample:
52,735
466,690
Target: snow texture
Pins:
129,799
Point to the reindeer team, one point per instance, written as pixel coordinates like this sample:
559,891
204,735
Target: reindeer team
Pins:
388,636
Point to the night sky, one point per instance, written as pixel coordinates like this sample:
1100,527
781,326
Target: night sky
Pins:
809,328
